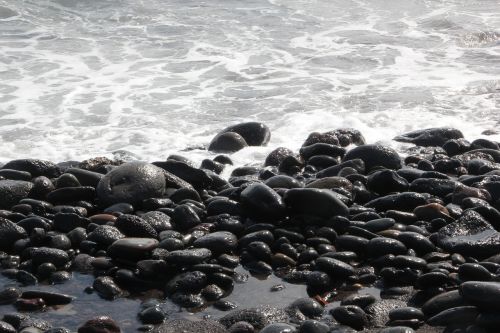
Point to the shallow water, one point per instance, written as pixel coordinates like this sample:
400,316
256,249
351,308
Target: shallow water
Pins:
87,78
253,292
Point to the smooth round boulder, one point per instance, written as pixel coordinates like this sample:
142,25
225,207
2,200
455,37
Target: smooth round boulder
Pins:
277,156
228,142
375,155
259,200
131,183
315,202
386,181
254,133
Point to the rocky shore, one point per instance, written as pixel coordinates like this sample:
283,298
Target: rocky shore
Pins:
338,216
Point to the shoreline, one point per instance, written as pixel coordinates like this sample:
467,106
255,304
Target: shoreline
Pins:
338,214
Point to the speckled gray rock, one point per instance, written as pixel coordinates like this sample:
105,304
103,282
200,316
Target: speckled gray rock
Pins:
45,254
188,257
134,226
378,312
105,235
131,183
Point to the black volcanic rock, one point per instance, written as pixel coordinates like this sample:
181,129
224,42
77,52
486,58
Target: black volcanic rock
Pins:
316,202
260,200
470,235
13,191
35,167
375,155
430,137
254,133
9,234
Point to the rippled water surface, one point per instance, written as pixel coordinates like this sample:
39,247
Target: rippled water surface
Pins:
85,78
250,292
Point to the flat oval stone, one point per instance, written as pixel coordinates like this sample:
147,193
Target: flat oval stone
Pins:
382,245
315,202
459,316
335,268
406,313
50,298
45,254
482,294
134,249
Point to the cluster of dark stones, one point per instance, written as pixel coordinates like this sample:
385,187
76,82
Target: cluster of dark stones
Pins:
337,215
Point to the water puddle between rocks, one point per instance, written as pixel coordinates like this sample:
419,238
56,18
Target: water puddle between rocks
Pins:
124,310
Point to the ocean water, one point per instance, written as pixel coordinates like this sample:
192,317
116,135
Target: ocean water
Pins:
152,78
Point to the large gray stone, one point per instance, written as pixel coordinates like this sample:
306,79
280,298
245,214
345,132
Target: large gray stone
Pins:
131,183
